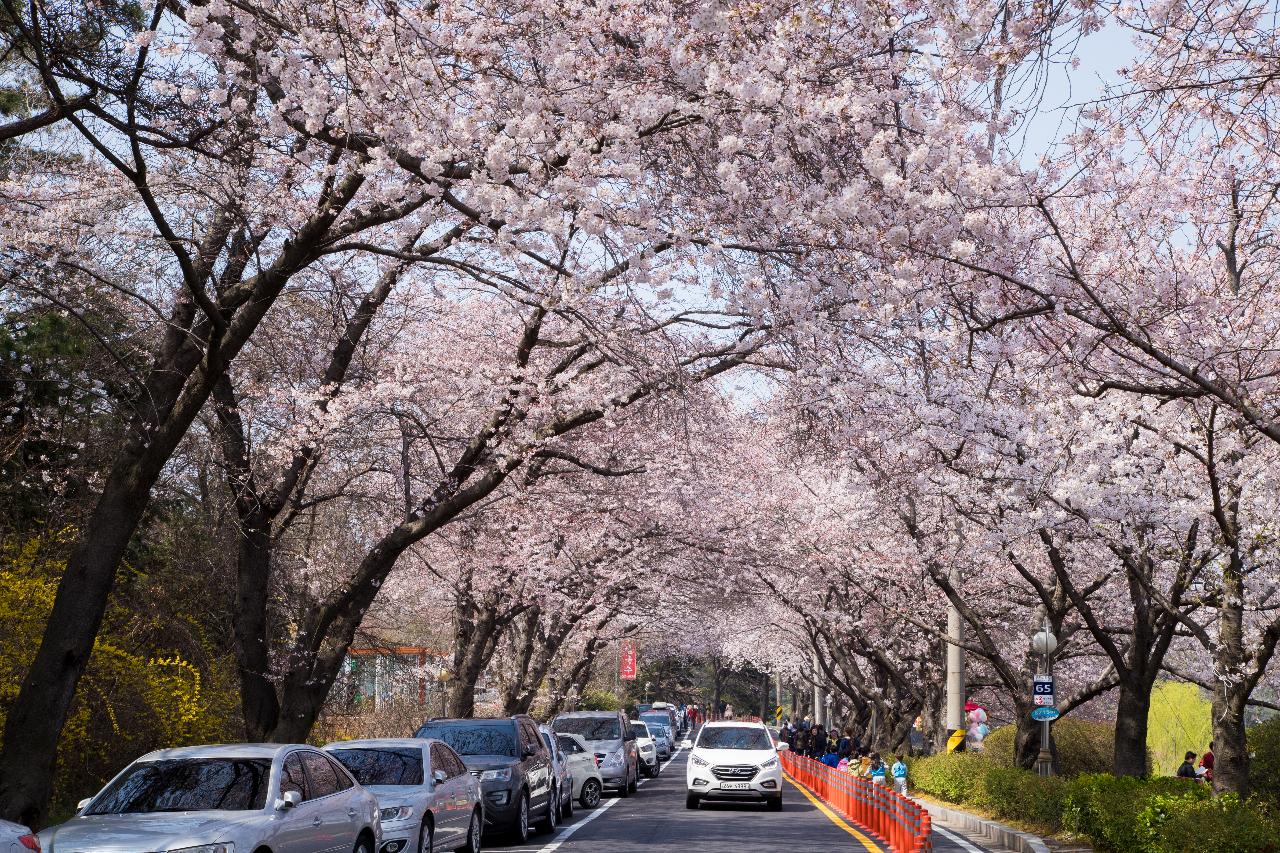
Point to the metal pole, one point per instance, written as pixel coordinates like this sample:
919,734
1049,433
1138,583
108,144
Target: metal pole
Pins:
1044,761
777,686
817,691
955,659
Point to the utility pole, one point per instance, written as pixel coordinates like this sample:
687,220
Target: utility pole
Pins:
955,659
777,685
817,691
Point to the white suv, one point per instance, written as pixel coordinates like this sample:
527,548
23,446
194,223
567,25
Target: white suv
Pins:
734,761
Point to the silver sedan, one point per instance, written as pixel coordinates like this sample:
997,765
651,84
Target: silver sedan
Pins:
225,799
428,799
16,838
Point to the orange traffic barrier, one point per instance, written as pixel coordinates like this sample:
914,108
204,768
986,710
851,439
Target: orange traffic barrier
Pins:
904,824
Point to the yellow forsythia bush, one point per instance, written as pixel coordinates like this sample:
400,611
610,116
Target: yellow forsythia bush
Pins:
130,700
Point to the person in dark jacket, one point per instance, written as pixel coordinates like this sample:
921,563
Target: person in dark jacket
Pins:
1188,768
817,741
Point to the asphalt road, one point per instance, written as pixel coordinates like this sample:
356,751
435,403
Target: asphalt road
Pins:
655,819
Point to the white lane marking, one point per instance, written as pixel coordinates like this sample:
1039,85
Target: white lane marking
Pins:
963,842
567,831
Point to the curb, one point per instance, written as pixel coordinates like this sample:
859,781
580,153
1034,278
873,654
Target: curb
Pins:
987,831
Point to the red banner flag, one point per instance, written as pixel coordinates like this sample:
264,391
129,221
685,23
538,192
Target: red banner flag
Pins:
627,661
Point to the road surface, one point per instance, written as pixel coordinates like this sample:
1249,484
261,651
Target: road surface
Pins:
655,819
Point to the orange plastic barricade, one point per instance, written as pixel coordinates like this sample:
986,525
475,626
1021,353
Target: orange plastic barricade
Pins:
902,823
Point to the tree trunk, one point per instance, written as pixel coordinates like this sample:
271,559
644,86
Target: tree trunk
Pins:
1134,704
1230,747
1026,739
36,717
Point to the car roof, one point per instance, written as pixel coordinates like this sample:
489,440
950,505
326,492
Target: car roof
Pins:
567,714
383,743
223,750
735,724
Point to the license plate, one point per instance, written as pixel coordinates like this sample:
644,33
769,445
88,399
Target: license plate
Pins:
735,786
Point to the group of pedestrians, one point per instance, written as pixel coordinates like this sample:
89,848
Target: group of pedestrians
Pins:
1188,770
843,751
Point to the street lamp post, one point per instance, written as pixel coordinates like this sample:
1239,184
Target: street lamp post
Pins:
1043,642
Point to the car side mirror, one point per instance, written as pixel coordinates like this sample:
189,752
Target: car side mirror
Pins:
782,746
530,751
83,804
288,800
439,776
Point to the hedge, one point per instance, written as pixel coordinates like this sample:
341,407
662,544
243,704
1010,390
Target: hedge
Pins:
1264,766
1083,746
1121,814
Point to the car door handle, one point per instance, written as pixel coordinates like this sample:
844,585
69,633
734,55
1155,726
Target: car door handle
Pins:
351,812
316,822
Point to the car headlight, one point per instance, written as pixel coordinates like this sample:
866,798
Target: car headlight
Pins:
772,762
501,775
396,813
698,762
614,757
224,847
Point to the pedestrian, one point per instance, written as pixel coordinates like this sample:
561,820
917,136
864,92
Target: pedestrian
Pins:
1206,763
878,771
899,771
830,759
817,741
800,743
728,711
1188,768
844,747
864,764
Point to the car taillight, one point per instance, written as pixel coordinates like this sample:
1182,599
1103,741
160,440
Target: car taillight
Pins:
30,842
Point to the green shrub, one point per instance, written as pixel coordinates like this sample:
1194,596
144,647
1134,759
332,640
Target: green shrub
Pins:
1172,823
599,700
1083,746
1010,793
1102,807
953,776
1264,766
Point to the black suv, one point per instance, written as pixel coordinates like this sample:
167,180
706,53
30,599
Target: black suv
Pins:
509,758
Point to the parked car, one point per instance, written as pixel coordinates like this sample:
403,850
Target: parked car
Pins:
648,749
564,777
509,758
285,798
608,734
662,715
584,768
733,761
426,797
662,738
16,838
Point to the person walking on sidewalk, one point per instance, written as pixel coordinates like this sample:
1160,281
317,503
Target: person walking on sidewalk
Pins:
899,771
878,770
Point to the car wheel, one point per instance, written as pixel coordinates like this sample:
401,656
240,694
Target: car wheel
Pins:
364,845
775,803
426,837
657,768
473,835
634,780
691,801
549,823
566,809
590,796
522,820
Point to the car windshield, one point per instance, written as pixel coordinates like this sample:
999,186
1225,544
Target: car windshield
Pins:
382,766
474,737
660,720
640,729
734,737
568,744
187,784
590,728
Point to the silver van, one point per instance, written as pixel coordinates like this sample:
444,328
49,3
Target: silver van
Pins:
609,735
